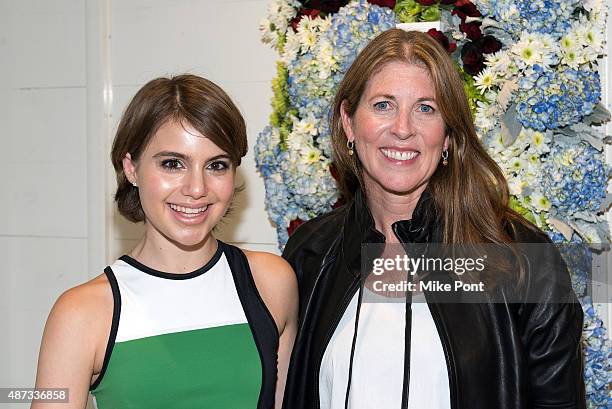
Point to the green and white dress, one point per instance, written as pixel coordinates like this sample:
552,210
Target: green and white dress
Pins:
199,340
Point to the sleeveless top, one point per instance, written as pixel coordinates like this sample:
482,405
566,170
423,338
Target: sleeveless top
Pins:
378,364
204,339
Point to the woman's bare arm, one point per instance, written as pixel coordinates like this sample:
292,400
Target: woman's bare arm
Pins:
70,350
277,285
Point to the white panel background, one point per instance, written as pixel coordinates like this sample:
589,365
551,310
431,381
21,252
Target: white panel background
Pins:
67,70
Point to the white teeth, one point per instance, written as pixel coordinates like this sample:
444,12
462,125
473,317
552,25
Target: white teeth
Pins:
188,210
397,155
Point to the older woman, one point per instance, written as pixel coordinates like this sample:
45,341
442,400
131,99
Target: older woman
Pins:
410,162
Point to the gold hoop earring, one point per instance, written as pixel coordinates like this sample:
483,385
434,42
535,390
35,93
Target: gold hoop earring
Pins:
445,157
350,145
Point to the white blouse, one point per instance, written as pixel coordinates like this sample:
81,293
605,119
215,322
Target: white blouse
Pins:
378,364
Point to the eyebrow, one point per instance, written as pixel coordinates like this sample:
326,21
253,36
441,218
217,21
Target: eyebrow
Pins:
170,153
386,96
432,99
392,98
178,155
221,156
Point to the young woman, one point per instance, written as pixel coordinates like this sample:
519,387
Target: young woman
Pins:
184,320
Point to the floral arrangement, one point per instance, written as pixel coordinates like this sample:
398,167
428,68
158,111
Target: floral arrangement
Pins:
530,70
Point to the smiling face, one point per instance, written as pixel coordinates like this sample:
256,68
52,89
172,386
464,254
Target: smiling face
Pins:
185,183
399,133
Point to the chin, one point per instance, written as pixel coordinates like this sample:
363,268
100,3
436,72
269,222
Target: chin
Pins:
190,242
400,188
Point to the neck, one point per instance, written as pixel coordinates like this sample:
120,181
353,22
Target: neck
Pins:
158,252
388,207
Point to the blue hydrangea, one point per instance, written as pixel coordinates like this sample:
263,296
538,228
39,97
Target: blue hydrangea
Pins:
349,33
542,16
267,153
308,92
597,350
575,179
555,98
596,347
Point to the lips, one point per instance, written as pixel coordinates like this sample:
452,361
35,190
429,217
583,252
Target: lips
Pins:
399,155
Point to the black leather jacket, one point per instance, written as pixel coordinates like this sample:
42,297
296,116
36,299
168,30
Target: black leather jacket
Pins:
499,355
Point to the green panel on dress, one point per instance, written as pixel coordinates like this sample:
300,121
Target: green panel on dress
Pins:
211,368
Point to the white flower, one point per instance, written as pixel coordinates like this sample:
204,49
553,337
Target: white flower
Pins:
569,42
310,154
485,80
593,37
307,32
268,32
517,165
534,49
528,52
515,186
537,140
291,48
539,202
306,126
499,62
573,58
325,57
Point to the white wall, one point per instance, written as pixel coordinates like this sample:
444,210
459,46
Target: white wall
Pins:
43,229
215,39
67,69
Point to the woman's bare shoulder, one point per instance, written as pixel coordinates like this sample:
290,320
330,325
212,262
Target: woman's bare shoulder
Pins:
74,337
276,283
272,266
94,296
83,312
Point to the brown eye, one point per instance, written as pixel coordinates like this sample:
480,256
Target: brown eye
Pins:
218,166
172,164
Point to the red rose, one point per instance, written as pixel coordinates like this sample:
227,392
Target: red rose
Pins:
447,2
442,39
339,203
383,3
489,44
294,225
467,8
459,14
473,61
334,172
326,6
427,2
471,30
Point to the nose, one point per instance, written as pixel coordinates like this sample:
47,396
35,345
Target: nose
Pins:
195,184
403,126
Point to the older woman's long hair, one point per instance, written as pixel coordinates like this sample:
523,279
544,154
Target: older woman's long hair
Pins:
471,192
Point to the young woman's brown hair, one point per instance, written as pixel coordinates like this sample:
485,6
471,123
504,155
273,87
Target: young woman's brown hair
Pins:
471,192
184,98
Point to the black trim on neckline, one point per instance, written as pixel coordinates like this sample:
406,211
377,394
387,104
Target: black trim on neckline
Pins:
174,276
